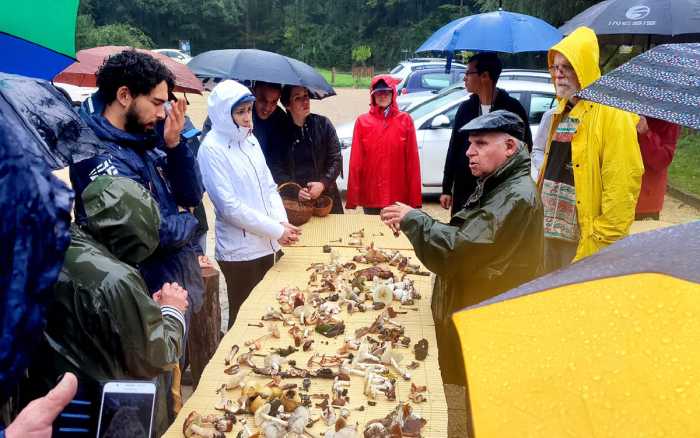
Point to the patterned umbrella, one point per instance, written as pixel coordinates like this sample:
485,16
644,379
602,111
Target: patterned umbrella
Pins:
663,83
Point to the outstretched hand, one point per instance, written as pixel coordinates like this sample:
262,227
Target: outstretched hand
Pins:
393,214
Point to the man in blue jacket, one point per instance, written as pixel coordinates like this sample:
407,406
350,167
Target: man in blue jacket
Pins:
136,116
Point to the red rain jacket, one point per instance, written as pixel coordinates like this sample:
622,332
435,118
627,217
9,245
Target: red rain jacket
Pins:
658,146
384,163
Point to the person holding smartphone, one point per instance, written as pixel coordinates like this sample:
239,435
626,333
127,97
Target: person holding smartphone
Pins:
103,324
251,222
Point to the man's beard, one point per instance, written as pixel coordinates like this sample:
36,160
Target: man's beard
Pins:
133,123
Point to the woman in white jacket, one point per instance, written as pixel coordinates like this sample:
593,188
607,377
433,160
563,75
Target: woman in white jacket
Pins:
250,219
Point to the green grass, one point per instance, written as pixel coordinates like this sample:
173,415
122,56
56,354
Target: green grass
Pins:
344,80
684,172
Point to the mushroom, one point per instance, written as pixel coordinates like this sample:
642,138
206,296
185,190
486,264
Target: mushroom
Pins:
262,414
272,330
236,380
275,362
273,430
297,421
290,400
363,354
383,294
304,313
192,428
245,432
390,357
231,354
227,405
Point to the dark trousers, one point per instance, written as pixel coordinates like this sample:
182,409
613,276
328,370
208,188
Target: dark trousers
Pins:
558,254
371,211
241,278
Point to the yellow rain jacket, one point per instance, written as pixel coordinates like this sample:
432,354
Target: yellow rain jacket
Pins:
605,155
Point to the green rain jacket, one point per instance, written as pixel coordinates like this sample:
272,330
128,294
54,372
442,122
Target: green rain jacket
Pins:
492,245
103,324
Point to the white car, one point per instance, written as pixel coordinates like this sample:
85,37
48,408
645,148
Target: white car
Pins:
405,68
434,120
174,54
77,94
407,101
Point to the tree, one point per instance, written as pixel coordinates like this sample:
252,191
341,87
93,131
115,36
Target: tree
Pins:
89,35
361,54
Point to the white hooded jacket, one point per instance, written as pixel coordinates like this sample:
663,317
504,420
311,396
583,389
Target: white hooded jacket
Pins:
248,208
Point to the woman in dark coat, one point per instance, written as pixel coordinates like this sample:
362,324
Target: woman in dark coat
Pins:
311,156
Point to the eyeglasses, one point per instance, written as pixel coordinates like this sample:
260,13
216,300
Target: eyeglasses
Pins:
473,72
561,68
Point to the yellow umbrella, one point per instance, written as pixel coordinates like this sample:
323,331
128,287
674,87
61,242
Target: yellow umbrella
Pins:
608,347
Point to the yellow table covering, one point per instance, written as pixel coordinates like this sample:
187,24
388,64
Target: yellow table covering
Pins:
291,271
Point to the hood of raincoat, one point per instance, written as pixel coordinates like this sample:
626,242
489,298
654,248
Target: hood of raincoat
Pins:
222,100
122,215
580,48
390,81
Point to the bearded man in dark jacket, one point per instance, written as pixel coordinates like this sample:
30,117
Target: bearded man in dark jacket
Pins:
483,71
145,143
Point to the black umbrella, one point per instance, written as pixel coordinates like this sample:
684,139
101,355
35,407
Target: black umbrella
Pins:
640,21
259,65
663,83
44,119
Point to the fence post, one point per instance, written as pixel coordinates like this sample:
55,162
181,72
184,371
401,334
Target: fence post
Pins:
333,75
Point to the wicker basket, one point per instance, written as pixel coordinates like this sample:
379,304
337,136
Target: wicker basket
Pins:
298,213
323,206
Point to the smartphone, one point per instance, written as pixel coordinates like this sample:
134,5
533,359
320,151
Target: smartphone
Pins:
126,409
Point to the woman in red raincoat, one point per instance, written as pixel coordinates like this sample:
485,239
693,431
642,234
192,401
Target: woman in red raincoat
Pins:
384,163
657,141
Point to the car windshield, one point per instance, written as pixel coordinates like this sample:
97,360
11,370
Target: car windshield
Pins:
435,103
396,69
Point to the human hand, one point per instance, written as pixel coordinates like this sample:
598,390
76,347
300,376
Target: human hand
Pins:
36,419
172,294
290,235
205,262
174,123
393,214
315,189
446,201
642,126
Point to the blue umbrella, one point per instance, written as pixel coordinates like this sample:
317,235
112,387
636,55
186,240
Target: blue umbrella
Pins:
259,65
498,31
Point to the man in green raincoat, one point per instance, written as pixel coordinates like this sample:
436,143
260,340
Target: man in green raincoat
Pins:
493,244
103,323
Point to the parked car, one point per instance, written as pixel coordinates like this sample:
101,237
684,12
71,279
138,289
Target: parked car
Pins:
77,94
175,55
434,120
404,68
430,79
410,100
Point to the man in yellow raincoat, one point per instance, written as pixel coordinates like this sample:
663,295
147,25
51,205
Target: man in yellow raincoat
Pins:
592,169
